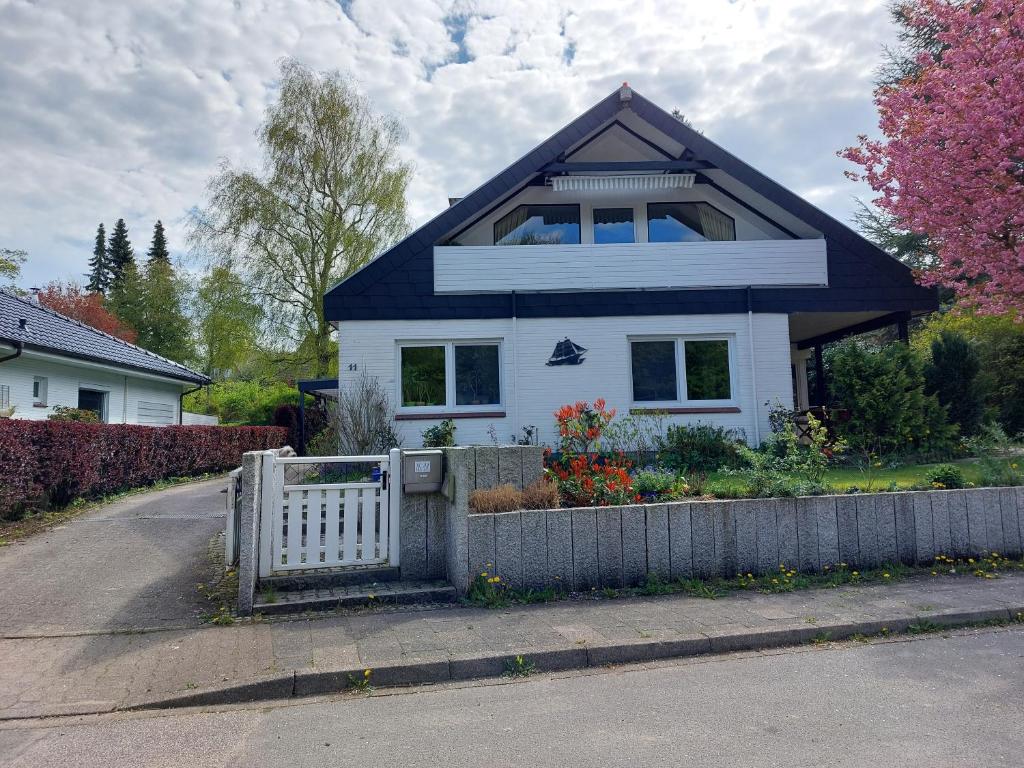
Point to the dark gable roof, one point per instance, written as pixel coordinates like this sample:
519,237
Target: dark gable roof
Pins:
399,284
49,331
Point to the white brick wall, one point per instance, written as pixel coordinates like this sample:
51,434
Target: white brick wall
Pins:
532,391
63,381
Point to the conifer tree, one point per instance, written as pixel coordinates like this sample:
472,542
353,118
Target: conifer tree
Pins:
163,326
119,250
99,265
158,248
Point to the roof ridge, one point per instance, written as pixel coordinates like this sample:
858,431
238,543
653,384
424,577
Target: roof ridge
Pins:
42,307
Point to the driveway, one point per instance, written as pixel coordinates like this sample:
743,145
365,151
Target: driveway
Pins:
133,564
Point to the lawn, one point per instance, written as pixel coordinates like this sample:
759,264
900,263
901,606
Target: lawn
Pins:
842,478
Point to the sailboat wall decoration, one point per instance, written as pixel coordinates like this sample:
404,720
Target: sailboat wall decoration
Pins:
567,353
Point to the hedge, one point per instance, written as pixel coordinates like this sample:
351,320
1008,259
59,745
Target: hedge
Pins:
50,463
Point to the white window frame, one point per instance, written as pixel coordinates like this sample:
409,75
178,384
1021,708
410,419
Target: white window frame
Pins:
680,353
43,385
449,346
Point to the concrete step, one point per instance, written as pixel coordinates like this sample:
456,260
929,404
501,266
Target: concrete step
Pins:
272,602
326,578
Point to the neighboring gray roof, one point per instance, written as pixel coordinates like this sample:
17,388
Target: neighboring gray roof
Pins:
50,331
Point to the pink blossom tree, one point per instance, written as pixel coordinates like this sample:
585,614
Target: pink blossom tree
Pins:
951,164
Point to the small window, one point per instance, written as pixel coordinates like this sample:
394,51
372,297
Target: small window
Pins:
5,397
654,371
39,390
451,374
93,400
423,376
613,225
687,222
681,370
539,225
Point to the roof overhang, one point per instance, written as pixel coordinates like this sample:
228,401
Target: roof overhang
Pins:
85,361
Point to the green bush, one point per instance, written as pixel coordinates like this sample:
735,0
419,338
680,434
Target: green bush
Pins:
67,413
889,412
440,435
952,376
242,402
698,450
659,484
999,457
945,476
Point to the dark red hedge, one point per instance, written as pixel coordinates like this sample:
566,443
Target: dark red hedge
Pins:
49,463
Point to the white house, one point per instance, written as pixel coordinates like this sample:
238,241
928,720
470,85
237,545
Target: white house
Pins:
627,257
48,360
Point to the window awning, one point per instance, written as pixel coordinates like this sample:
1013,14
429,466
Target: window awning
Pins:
633,182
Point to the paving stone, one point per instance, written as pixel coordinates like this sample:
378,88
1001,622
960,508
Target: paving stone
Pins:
807,533
745,516
535,548
996,542
486,467
702,525
680,535
584,549
659,560
559,524
959,538
785,516
724,522
867,531
846,529
977,523
508,548
885,517
510,468
634,545
923,505
481,544
767,536
609,547
1010,509
413,536
828,531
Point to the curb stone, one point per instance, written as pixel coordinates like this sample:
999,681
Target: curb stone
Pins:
425,671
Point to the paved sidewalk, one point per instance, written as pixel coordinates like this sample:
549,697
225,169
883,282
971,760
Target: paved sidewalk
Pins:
253,661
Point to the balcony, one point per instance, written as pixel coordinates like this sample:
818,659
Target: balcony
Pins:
558,267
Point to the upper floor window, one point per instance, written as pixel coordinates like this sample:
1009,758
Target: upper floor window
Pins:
539,225
687,222
613,225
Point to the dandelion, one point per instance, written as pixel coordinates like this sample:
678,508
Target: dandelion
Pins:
935,573
885,575
484,574
855,573
366,674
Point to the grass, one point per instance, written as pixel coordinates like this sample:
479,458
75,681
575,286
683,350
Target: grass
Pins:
842,479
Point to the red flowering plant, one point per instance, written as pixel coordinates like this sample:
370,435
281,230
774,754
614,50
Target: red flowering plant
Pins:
584,475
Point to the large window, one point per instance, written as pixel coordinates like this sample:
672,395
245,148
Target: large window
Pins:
93,400
687,222
539,225
454,374
613,225
694,371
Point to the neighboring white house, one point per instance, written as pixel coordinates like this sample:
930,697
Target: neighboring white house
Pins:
48,360
627,257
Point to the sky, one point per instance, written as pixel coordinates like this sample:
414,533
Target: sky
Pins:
125,109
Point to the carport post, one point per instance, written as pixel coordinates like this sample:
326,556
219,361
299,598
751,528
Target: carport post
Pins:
819,375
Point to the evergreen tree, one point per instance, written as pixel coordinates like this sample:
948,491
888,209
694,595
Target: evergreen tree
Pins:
952,376
127,298
119,251
99,265
158,248
164,328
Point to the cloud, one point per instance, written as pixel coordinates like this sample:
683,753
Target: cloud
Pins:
126,112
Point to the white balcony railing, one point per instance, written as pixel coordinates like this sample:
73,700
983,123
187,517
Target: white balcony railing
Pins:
500,269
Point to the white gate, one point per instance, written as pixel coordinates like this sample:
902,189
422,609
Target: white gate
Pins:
328,512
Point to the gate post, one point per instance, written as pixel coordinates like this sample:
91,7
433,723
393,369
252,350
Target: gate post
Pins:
268,497
248,532
394,507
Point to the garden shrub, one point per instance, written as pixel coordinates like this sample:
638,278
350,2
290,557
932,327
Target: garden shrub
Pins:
999,457
638,436
650,483
945,476
238,401
67,413
440,435
286,416
889,412
951,374
699,449
50,463
584,476
541,494
785,466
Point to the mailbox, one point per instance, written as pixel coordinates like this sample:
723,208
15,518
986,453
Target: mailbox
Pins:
422,471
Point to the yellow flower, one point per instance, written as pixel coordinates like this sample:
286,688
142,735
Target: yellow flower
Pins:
855,573
775,581
885,575
484,574
366,674
935,573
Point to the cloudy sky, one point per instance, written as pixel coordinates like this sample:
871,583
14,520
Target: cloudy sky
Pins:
123,109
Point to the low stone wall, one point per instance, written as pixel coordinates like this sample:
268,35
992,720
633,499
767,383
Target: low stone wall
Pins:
618,546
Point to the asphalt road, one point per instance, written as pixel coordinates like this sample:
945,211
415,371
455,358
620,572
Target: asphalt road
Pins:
931,701
131,564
